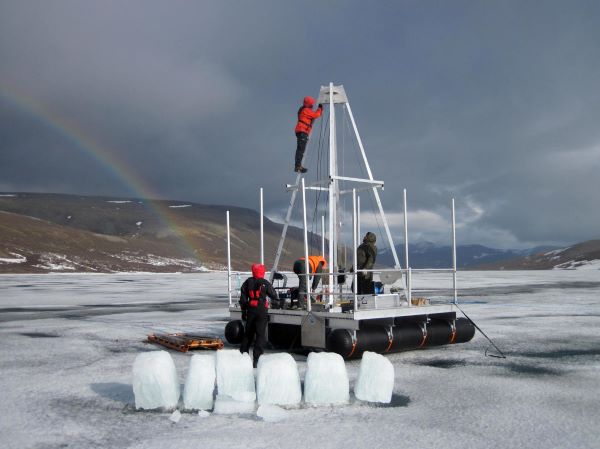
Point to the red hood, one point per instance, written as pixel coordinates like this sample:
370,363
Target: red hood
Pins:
258,270
309,102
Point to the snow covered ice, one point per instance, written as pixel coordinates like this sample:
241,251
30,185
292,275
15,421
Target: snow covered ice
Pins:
375,381
70,340
235,375
326,380
200,383
155,381
277,380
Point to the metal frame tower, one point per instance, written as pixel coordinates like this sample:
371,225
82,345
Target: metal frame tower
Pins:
336,95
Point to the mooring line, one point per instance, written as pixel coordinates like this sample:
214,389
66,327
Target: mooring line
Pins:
501,356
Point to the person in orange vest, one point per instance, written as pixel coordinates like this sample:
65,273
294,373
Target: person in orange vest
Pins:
316,265
306,115
254,302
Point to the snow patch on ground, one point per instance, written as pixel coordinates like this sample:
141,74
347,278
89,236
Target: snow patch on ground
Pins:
179,206
159,261
8,195
17,259
56,262
119,201
555,251
580,265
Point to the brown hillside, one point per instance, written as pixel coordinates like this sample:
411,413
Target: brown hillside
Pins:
108,234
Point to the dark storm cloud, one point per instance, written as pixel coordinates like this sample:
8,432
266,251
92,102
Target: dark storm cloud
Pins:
494,103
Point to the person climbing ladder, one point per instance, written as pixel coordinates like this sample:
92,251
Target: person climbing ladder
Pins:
306,116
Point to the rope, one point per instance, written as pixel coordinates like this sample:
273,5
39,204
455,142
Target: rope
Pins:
314,244
501,356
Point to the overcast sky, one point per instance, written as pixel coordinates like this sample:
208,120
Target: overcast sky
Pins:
494,102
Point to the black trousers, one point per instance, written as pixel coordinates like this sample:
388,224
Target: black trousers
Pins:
302,140
256,330
365,285
300,270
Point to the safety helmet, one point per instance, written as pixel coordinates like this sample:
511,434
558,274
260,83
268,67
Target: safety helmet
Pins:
258,270
309,102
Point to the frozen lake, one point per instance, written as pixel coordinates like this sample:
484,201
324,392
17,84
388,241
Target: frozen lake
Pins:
69,342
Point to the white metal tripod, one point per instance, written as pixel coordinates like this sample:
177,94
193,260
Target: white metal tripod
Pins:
332,95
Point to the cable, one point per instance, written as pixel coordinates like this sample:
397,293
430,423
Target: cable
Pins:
501,356
314,244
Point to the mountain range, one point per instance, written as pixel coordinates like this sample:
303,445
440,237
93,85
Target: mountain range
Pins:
430,255
42,233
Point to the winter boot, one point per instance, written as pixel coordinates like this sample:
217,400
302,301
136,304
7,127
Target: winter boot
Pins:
300,169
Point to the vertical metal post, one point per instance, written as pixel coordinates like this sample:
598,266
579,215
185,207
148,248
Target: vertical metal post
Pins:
405,232
354,256
409,289
454,253
332,194
228,259
323,235
306,264
262,229
358,231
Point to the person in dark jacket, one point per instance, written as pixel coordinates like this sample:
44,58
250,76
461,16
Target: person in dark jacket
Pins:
366,254
306,115
254,303
316,266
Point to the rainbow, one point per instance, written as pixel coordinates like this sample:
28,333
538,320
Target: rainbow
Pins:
102,154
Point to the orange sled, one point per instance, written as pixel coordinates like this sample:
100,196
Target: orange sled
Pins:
183,342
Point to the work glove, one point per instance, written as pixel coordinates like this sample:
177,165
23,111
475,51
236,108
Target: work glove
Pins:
320,105
244,315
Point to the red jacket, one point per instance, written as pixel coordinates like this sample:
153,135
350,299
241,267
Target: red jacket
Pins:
306,115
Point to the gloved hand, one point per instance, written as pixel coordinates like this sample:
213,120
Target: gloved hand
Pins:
244,315
320,105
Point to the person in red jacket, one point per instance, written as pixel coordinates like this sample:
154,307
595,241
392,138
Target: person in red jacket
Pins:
254,302
306,115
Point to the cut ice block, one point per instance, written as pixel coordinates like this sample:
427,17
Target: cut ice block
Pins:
326,380
155,381
235,375
175,416
277,380
271,413
225,405
375,381
200,383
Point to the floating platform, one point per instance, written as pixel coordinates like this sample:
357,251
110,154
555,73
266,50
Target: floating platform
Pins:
351,333
346,321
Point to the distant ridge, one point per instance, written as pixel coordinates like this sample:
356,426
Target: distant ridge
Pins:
430,255
41,233
72,233
584,255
